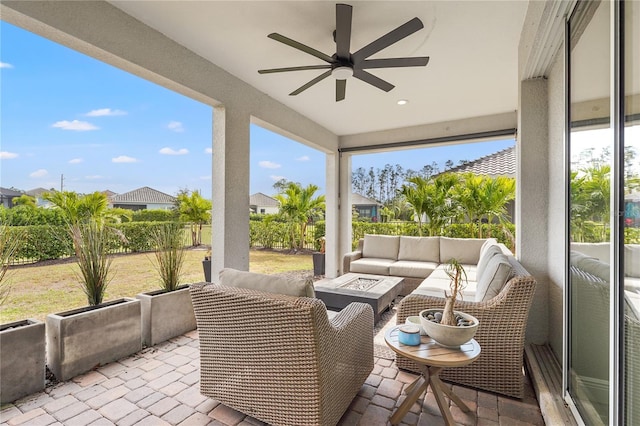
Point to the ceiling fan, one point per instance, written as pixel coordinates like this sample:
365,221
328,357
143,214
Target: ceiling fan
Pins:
344,64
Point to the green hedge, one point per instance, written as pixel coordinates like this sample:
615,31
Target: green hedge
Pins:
43,242
504,234
155,216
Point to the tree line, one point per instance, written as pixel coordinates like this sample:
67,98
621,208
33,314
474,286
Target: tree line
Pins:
383,184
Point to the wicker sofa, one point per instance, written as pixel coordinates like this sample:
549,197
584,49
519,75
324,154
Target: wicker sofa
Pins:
279,358
499,294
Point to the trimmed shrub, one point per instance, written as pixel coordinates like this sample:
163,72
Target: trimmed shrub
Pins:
155,216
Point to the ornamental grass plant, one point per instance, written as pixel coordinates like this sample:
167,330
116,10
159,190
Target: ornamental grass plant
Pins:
169,255
91,244
10,243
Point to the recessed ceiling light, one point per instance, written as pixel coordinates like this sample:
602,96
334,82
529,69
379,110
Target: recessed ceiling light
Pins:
402,102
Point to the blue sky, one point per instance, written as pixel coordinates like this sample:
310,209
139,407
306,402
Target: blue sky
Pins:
64,113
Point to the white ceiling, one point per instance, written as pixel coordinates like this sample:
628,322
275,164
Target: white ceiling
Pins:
473,46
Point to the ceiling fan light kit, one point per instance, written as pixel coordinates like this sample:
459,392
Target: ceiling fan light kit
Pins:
343,64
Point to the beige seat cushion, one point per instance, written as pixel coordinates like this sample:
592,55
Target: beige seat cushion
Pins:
488,243
465,250
369,265
421,249
436,287
440,272
494,277
267,283
412,269
381,246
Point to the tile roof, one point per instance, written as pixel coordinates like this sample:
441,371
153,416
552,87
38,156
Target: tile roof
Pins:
501,163
36,192
260,199
10,192
144,195
361,200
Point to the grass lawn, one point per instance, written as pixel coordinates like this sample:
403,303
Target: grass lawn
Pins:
38,290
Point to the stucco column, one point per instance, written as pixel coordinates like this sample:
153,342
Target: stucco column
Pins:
230,194
344,242
332,225
532,198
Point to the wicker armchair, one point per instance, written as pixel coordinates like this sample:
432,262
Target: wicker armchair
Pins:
503,322
279,358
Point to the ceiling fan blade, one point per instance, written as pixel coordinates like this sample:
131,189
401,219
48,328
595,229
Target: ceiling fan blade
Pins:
343,30
394,62
311,83
300,46
341,89
388,39
302,68
372,80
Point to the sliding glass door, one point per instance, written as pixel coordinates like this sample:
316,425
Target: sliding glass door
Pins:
603,277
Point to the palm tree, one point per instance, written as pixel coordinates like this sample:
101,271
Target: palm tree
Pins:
298,205
432,199
25,200
195,210
78,208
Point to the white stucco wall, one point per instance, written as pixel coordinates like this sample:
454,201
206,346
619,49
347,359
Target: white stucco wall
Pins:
557,194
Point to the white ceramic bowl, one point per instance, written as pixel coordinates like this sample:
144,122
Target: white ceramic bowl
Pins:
415,320
448,335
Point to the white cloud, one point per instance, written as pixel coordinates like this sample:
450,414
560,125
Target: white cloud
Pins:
93,177
269,164
6,155
39,173
124,159
76,161
175,126
276,178
5,65
171,151
105,112
77,125
208,150
303,158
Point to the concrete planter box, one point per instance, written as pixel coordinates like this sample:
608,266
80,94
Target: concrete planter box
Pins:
22,364
166,315
81,339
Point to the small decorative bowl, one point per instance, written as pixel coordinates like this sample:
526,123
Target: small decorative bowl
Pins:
415,320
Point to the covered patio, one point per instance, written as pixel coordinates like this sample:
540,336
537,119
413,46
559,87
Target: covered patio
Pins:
496,70
159,386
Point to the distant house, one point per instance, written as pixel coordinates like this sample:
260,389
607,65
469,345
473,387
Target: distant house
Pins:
366,207
263,204
7,196
109,195
143,198
37,194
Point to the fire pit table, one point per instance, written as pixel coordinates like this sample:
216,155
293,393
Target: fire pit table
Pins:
377,290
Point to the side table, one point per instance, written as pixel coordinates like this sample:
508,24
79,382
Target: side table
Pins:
432,358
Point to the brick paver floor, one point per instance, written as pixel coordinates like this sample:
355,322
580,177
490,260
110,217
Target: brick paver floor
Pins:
159,386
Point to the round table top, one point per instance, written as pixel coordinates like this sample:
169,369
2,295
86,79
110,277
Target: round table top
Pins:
431,353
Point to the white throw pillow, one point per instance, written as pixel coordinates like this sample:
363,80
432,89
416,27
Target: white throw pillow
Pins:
490,242
381,246
495,276
632,260
267,283
421,249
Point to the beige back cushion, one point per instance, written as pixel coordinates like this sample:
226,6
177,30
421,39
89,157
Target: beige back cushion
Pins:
485,257
267,283
381,246
465,250
495,276
422,249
